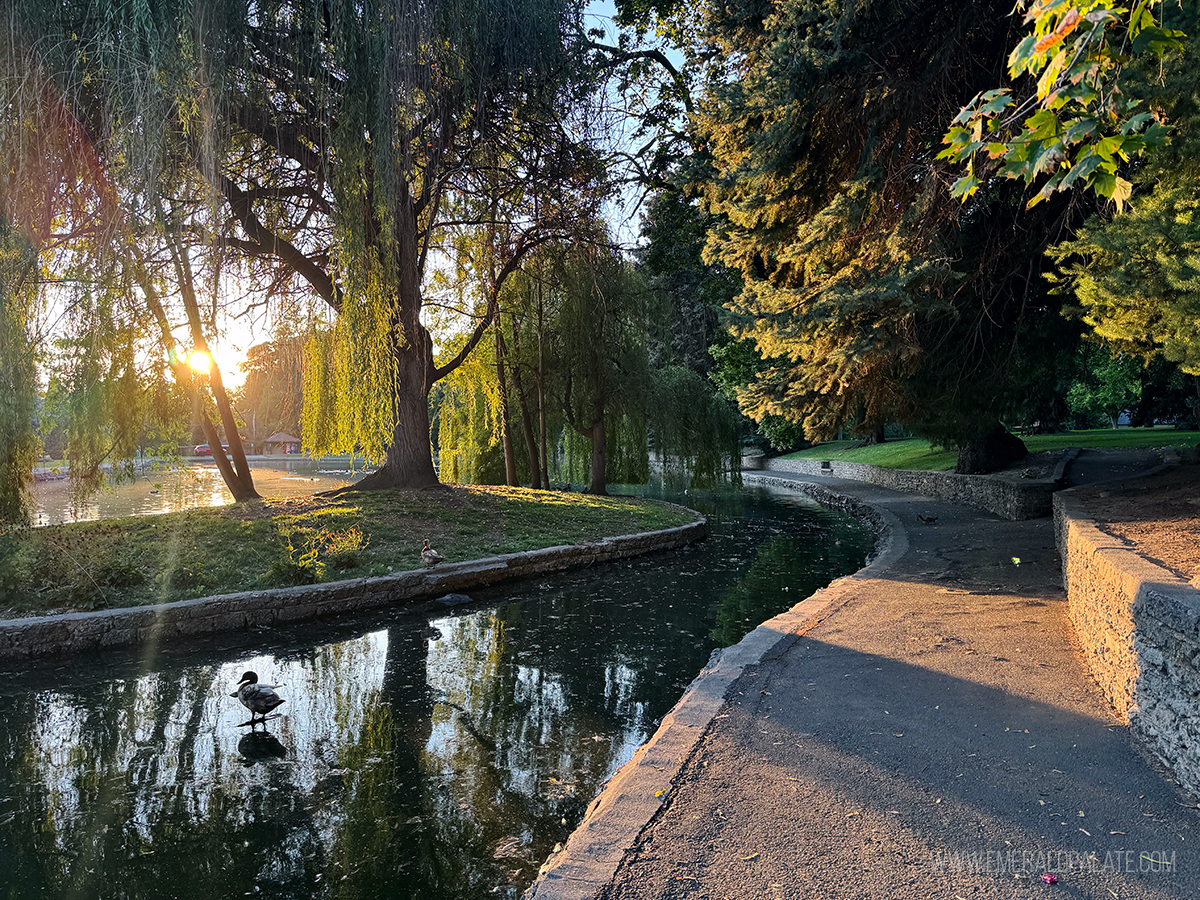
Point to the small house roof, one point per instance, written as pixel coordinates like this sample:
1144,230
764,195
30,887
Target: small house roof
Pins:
281,437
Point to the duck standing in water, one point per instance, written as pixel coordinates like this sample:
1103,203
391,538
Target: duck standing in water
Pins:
260,699
429,556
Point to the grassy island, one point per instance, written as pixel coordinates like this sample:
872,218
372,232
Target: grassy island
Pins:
269,543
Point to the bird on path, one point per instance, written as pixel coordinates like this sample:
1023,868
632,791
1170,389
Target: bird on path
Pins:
429,556
260,699
928,520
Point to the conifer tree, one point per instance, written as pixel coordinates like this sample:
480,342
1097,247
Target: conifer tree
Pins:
873,294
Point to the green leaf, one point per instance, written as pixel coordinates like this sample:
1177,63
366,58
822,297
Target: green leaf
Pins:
1157,40
995,102
1135,123
965,186
1083,168
1043,124
1079,129
1104,183
1022,56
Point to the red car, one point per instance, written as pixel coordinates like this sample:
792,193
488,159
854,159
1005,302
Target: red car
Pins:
203,450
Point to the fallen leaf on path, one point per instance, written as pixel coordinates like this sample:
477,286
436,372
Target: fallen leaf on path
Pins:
750,857
1085,831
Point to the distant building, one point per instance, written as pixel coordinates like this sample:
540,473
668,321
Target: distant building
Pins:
281,442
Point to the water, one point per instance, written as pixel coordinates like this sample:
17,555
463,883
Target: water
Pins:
440,756
188,486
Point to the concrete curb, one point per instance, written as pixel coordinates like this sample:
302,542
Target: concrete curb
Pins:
46,636
633,796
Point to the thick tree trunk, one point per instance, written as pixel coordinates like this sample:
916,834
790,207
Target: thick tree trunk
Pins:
599,484
242,483
992,450
409,461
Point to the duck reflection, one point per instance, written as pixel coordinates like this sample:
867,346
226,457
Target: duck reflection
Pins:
260,746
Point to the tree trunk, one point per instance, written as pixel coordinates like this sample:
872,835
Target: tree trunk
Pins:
541,397
535,472
409,461
238,478
510,463
599,484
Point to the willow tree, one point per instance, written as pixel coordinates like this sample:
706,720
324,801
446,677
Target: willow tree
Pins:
601,355
18,377
119,265
339,140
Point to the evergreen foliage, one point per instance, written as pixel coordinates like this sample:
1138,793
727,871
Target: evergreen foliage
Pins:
870,294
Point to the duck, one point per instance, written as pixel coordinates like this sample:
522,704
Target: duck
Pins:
429,556
260,699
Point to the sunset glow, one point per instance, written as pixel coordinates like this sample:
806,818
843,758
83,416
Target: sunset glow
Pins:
199,360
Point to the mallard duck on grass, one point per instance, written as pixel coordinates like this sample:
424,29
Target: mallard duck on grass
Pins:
429,556
260,699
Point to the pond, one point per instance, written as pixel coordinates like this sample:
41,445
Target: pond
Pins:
434,756
166,489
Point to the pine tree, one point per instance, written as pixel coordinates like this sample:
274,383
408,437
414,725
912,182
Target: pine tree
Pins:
872,293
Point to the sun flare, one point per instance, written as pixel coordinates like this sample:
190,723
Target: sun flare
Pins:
199,360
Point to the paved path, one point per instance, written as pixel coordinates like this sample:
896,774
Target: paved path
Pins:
1091,466
932,735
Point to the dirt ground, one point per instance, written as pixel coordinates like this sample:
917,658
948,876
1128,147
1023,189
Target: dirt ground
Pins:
1160,515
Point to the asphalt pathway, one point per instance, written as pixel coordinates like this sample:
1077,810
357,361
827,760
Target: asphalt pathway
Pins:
932,734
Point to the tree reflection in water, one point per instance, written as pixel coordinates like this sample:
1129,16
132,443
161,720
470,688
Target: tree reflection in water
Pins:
417,758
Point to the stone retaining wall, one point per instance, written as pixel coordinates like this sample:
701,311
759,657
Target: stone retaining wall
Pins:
1139,626
1006,497
56,635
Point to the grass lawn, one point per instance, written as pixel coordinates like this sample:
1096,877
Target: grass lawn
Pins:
915,453
263,543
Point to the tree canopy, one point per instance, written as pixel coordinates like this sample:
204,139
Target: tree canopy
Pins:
329,149
870,293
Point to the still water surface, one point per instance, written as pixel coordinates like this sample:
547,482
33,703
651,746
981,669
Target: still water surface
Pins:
186,486
437,756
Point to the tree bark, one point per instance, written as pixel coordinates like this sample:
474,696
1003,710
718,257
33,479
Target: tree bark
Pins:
409,461
541,394
599,485
531,448
240,481
510,463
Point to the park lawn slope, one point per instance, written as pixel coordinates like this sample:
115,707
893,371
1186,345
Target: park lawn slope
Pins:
915,453
143,560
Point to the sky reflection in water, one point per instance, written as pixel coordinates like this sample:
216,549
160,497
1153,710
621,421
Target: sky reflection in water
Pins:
434,757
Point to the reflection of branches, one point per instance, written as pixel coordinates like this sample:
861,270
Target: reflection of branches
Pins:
469,725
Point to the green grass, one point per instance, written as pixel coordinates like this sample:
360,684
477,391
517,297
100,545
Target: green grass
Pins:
152,559
915,453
